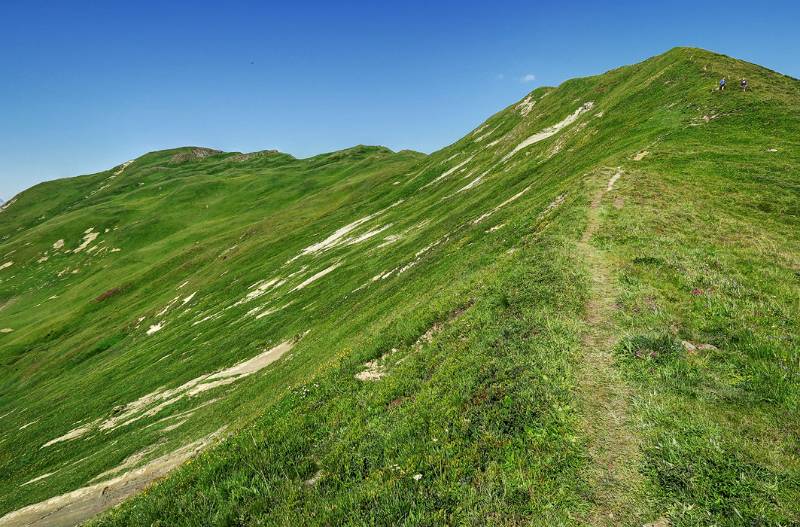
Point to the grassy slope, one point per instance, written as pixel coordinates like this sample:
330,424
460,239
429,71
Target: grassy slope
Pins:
487,410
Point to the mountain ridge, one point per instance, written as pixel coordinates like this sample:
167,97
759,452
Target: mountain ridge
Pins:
445,316
677,52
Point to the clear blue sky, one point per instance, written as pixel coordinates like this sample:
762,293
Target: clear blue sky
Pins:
85,85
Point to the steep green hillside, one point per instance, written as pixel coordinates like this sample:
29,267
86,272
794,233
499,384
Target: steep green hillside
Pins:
586,311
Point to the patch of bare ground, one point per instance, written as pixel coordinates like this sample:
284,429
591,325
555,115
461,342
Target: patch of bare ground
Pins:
74,508
7,303
613,477
313,480
192,154
376,369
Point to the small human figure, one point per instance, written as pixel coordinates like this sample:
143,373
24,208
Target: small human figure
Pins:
743,84
722,83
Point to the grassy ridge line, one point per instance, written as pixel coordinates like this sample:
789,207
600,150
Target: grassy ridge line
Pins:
650,107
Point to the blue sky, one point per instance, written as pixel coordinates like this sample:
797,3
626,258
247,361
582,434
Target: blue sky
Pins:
85,85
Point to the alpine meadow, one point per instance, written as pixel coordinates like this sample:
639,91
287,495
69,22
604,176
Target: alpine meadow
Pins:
584,312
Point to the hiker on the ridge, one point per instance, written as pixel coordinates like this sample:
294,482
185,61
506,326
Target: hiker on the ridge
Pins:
722,83
744,84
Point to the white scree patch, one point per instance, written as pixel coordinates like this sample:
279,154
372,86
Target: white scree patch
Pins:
449,171
474,183
260,289
503,204
552,130
88,237
487,134
316,277
525,106
152,403
613,180
339,236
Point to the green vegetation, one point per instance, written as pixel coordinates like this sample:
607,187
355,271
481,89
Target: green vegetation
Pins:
651,242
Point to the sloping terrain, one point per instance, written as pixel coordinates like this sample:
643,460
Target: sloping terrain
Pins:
586,311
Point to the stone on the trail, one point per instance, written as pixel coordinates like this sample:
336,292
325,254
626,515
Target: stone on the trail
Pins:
707,347
691,347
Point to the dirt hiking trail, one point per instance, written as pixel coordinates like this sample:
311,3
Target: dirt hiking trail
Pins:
613,477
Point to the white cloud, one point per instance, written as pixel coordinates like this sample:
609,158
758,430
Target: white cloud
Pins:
528,77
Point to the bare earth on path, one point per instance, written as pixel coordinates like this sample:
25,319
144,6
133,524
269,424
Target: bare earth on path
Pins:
613,445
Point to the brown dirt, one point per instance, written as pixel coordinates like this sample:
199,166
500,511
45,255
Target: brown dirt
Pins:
108,294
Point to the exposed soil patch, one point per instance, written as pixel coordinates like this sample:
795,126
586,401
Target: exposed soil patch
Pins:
88,237
151,404
121,168
474,183
525,106
193,153
552,130
613,180
7,303
315,277
503,204
448,172
693,347
38,478
253,155
108,294
553,205
313,480
376,369
72,434
339,237
79,505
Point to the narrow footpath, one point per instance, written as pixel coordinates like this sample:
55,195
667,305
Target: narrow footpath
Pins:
613,478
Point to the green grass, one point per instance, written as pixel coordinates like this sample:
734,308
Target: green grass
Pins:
721,423
701,236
